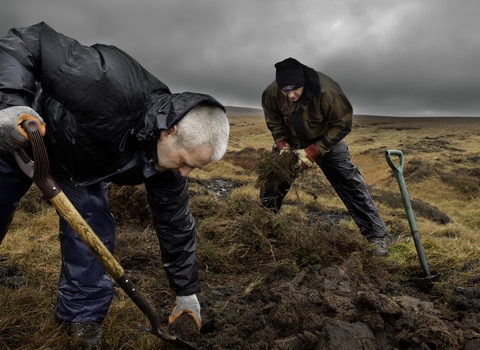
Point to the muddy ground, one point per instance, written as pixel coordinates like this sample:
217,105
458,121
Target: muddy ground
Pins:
262,291
352,303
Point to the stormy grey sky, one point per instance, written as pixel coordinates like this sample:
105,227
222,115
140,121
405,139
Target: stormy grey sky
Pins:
403,58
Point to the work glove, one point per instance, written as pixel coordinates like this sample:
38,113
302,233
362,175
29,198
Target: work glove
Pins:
12,135
306,157
189,305
279,147
283,146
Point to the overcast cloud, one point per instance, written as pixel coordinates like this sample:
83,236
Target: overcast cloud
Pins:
405,58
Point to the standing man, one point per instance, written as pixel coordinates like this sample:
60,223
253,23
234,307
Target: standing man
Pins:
105,119
308,113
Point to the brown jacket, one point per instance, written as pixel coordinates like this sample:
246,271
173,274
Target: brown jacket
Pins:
325,112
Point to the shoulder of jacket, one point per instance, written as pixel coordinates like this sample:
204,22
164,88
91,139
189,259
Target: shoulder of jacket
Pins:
270,95
327,82
271,89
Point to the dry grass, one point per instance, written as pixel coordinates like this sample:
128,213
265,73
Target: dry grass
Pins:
246,131
441,174
236,235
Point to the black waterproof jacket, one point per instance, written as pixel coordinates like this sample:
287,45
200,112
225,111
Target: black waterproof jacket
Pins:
103,113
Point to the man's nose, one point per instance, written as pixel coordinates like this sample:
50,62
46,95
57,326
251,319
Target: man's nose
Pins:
184,171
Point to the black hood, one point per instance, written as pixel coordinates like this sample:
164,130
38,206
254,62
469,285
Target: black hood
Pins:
167,110
312,85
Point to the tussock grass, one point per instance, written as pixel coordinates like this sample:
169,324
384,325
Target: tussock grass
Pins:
241,234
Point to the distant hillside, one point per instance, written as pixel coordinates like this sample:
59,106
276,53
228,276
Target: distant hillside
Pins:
236,111
245,111
239,111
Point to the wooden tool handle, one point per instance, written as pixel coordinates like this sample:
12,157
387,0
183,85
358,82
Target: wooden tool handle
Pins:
86,234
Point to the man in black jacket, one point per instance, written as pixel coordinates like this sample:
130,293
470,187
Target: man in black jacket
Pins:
105,119
308,113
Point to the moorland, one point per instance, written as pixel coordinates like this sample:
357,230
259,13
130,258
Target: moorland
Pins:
302,279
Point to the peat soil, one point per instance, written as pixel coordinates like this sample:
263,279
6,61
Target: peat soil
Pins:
353,304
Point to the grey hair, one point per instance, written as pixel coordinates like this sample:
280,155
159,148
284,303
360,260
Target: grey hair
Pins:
204,125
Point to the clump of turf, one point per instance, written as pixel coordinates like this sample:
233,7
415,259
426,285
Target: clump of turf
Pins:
275,170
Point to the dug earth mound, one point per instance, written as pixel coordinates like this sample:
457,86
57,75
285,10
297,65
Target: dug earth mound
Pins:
349,301
334,307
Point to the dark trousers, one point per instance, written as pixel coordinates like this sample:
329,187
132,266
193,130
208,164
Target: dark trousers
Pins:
84,290
348,183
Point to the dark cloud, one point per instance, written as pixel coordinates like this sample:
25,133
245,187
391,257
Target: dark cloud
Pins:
394,58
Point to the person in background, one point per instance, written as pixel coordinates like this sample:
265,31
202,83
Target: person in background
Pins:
104,118
308,113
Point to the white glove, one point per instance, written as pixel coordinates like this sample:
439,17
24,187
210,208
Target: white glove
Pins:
306,157
189,305
12,135
286,148
303,158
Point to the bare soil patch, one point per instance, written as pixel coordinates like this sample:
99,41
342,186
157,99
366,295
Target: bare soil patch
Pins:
345,301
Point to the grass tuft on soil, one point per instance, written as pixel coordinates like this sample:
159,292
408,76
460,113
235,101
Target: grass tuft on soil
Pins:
273,171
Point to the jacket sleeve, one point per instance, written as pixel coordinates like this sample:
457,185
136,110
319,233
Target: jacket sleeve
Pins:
168,199
86,80
339,112
273,116
19,65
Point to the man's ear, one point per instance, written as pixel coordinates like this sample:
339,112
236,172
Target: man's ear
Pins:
172,130
167,132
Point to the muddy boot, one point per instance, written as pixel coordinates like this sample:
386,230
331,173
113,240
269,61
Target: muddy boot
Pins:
380,245
87,334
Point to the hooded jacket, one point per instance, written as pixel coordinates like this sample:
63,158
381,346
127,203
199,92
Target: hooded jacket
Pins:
322,116
100,105
104,113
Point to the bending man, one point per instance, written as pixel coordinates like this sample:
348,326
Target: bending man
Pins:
307,112
105,119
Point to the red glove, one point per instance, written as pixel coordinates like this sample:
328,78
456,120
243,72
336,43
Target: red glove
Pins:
282,144
306,157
